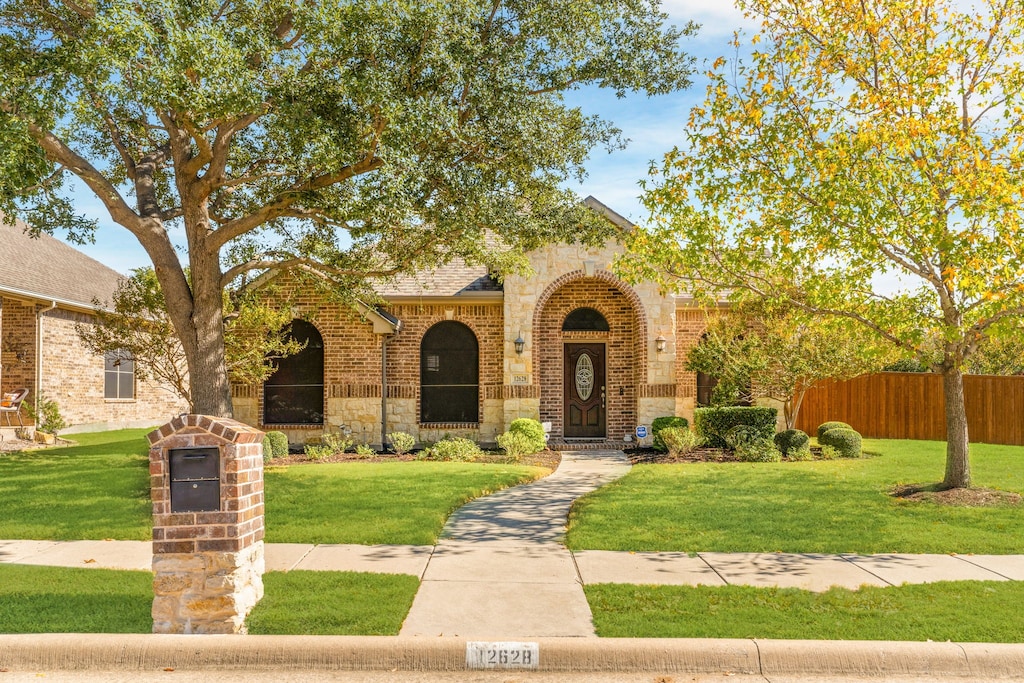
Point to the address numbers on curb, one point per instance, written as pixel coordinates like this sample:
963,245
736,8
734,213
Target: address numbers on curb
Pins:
502,655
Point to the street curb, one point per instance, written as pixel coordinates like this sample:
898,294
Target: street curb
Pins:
871,659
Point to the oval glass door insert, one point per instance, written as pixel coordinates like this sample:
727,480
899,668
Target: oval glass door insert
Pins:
584,377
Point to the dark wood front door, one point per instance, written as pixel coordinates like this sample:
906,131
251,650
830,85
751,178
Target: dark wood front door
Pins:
584,373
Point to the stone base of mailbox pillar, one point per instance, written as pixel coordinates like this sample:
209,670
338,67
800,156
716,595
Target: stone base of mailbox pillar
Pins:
208,550
206,592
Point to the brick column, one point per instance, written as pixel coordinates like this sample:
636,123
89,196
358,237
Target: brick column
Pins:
207,564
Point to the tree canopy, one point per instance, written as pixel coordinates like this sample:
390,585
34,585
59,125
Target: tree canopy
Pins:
860,143
351,139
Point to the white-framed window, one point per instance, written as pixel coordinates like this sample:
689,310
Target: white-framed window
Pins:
118,375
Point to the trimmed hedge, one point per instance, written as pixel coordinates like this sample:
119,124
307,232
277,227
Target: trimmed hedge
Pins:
712,423
278,444
825,426
846,441
794,440
660,423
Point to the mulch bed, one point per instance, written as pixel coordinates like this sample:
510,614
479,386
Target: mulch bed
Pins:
548,459
973,497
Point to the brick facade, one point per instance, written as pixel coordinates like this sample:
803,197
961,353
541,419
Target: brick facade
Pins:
642,383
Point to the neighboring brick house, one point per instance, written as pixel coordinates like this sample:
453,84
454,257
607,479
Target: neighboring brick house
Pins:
46,288
571,345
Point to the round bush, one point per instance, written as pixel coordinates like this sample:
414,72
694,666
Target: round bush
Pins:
401,443
532,430
794,440
846,441
679,440
452,449
711,424
669,421
825,426
515,445
268,449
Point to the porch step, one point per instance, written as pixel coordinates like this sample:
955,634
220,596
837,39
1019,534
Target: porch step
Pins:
590,445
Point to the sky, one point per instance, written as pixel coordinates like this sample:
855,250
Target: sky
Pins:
653,125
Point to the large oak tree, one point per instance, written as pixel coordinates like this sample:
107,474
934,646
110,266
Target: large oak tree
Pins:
862,141
348,138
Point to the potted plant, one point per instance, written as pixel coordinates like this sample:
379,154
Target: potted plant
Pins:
46,414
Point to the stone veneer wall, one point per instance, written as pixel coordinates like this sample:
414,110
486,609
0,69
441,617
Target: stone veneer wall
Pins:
72,375
208,566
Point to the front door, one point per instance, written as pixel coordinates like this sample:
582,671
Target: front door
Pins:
584,413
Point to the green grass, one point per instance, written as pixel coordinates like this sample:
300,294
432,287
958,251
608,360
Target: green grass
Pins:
837,506
370,503
963,611
333,603
61,600
100,489
96,489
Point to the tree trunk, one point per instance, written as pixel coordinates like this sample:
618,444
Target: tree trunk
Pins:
958,463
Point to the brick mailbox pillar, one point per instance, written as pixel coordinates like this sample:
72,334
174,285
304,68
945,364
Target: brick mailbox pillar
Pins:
206,481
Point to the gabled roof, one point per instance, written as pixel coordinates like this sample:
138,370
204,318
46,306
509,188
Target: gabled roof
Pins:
46,269
452,279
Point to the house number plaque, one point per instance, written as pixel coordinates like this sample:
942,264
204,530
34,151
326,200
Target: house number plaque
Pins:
502,655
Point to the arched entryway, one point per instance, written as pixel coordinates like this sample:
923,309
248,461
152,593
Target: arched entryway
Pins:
589,357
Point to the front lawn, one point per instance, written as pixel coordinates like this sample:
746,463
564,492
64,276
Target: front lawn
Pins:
63,600
835,506
961,611
100,489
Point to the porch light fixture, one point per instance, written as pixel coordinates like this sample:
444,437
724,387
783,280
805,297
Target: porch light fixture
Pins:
520,344
659,344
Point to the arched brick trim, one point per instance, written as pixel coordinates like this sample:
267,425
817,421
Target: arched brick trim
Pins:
626,345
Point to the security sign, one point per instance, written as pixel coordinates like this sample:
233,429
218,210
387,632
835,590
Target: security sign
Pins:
641,431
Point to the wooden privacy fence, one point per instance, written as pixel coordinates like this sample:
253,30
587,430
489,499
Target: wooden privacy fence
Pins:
910,405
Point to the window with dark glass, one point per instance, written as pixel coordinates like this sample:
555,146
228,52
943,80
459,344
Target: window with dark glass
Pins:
705,388
449,374
585,320
294,394
118,375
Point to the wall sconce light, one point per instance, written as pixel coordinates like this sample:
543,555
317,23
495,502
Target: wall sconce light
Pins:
659,344
520,344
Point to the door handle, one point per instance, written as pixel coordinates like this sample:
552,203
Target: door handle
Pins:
602,398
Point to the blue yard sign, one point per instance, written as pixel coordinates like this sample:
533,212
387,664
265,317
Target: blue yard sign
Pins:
641,431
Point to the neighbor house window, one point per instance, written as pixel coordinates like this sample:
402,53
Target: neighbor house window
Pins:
118,375
449,374
294,394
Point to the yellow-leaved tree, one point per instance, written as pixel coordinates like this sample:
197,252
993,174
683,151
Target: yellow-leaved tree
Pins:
862,142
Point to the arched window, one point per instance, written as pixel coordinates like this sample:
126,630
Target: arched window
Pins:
585,320
449,374
294,394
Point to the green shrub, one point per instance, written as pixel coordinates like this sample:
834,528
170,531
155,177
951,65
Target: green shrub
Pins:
401,443
516,445
846,441
829,453
46,414
316,451
365,450
712,423
532,430
679,440
825,426
278,444
742,435
758,450
794,444
452,449
666,422
337,442
268,449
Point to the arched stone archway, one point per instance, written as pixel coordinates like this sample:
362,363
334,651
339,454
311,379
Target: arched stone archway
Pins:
621,348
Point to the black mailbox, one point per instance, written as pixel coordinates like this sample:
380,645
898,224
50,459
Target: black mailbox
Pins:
195,479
